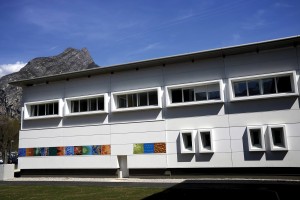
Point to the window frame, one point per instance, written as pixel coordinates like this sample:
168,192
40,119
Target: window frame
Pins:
184,150
202,149
114,102
294,86
27,109
277,147
168,90
262,138
68,104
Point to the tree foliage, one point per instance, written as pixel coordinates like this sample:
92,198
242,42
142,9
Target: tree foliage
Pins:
9,135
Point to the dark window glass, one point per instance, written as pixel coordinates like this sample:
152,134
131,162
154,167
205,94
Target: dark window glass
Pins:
49,109
74,106
93,104
132,100
33,111
269,86
187,140
188,95
201,96
122,101
214,95
101,103
55,108
240,89
176,95
277,134
41,109
206,139
153,100
284,84
143,99
253,87
255,137
83,105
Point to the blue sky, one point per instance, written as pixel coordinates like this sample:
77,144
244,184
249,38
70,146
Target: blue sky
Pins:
124,31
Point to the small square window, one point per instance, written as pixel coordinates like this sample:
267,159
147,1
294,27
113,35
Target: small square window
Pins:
205,141
278,138
256,139
187,141
253,87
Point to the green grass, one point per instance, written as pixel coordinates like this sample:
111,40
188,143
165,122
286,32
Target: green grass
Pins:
74,192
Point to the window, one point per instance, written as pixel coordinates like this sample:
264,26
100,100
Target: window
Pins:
136,100
205,141
256,139
262,86
194,93
83,105
278,138
42,109
187,141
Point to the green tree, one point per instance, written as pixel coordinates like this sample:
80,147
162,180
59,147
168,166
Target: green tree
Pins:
9,136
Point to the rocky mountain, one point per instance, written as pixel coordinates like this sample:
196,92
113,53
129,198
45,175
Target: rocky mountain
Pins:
68,61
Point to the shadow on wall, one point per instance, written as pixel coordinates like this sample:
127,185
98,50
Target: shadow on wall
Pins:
84,120
197,189
41,123
188,157
136,115
194,111
257,155
261,105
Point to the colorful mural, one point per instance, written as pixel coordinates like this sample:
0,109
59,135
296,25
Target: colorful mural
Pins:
149,148
66,151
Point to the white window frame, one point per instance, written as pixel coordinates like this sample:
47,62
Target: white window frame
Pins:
264,96
27,109
114,100
262,139
184,150
192,85
272,145
67,110
203,149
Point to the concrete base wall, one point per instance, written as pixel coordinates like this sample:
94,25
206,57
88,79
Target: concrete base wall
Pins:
7,171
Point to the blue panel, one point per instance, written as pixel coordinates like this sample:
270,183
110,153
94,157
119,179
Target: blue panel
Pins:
22,152
149,148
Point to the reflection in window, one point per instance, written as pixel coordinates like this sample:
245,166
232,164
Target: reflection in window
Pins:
240,89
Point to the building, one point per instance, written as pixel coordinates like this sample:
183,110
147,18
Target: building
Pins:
232,107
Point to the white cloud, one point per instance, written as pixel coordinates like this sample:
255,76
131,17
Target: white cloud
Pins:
10,68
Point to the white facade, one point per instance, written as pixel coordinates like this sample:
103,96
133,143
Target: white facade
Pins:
258,130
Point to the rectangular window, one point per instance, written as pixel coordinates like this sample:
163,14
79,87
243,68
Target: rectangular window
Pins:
74,106
49,109
137,99
188,95
266,85
100,103
83,105
44,109
93,104
205,141
187,143
87,105
41,110
278,138
256,139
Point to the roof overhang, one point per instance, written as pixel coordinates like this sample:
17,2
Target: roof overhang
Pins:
220,52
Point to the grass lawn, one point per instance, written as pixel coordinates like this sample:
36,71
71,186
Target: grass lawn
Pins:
74,192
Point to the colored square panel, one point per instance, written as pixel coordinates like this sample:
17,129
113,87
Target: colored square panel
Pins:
96,150
149,148
105,149
52,151
138,148
37,151
159,147
69,151
45,151
78,150
86,150
22,152
60,151
29,151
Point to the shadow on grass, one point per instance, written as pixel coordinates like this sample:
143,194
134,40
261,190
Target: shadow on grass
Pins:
192,189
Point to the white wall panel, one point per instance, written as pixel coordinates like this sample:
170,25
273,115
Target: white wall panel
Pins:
68,162
147,161
138,127
143,137
121,149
